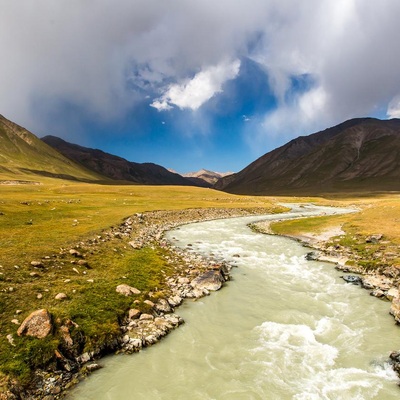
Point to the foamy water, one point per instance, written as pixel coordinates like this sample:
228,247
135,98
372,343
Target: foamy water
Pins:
282,328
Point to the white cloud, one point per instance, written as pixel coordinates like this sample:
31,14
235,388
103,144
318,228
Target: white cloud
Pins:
393,110
194,93
91,54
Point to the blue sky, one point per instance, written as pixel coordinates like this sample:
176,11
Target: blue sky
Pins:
190,85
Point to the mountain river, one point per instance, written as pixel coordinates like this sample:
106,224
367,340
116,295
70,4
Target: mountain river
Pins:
282,328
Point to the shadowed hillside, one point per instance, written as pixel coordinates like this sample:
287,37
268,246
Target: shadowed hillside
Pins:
114,167
358,155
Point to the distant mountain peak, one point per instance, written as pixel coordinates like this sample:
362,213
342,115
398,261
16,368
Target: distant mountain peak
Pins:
209,176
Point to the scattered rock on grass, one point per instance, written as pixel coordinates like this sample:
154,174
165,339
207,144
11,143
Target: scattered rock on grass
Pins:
37,324
127,290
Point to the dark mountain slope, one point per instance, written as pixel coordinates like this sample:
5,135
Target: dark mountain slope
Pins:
115,167
23,154
357,155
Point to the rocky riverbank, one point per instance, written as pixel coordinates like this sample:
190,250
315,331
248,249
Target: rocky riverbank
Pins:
375,268
143,326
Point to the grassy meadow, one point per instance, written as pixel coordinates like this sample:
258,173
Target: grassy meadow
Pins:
38,220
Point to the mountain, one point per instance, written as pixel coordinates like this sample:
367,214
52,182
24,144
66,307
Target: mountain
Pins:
24,156
114,167
361,154
208,176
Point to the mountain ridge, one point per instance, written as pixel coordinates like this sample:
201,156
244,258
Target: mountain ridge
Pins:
358,154
115,167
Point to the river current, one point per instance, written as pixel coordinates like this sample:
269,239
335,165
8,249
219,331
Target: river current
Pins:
282,328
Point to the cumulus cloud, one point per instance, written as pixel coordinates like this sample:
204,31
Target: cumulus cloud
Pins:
204,85
104,57
393,110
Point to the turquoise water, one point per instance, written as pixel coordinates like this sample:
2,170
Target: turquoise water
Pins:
282,328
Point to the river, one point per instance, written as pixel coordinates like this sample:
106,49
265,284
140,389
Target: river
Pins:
282,328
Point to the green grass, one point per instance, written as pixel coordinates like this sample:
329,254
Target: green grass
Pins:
39,220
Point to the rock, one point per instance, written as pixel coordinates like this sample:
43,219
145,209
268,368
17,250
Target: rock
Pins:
93,367
39,296
395,308
146,317
134,313
84,358
163,306
312,256
37,264
10,339
376,282
83,263
374,238
355,280
61,296
378,293
37,324
175,301
210,280
127,290
392,293
149,303
15,321
75,253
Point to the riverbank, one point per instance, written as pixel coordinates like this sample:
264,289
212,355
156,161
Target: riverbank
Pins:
382,282
151,318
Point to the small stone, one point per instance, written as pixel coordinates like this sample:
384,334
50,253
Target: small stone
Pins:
146,317
149,303
134,313
61,296
10,339
15,321
75,253
37,264
34,274
90,280
39,296
18,312
67,280
93,367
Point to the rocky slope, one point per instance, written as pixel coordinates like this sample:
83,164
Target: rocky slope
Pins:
114,167
358,155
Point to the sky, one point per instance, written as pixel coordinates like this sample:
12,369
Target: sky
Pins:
192,84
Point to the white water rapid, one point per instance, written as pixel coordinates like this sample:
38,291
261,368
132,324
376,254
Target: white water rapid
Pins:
282,328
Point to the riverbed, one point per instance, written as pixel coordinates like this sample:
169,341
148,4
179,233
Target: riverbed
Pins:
282,328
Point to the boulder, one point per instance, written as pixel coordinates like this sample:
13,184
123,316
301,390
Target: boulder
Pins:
210,280
163,306
37,324
127,290
355,280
